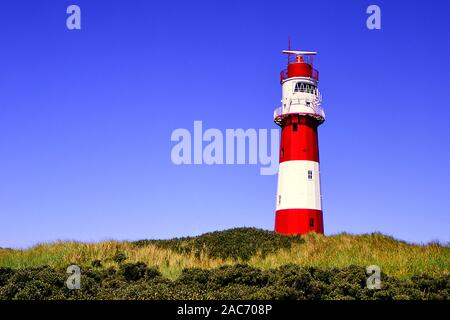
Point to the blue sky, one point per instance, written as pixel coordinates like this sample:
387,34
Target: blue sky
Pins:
86,116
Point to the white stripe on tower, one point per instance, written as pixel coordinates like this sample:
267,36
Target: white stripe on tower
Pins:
299,185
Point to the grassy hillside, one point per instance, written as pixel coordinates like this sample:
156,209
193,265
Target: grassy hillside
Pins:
257,248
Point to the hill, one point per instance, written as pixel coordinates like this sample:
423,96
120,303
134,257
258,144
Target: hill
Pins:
235,263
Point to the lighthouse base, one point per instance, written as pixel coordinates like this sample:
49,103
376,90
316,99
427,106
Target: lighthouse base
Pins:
298,221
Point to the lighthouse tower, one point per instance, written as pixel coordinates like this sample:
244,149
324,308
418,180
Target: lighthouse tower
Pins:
298,202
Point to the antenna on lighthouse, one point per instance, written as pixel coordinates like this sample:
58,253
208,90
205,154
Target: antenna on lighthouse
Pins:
289,48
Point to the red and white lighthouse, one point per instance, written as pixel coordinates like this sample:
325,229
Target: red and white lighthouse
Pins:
299,203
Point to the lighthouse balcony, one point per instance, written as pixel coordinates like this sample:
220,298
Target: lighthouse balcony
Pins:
307,107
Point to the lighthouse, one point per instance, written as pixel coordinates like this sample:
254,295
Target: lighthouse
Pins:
298,201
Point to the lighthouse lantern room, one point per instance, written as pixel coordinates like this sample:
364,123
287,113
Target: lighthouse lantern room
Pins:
298,202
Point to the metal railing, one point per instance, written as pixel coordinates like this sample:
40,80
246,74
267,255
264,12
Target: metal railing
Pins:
306,58
314,105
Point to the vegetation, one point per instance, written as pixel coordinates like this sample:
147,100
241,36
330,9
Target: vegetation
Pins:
243,263
137,281
238,243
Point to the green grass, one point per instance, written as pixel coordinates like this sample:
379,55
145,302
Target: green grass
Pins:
258,248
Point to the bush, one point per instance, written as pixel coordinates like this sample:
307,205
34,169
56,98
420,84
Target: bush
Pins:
137,281
238,243
119,257
5,273
34,283
241,274
194,276
137,271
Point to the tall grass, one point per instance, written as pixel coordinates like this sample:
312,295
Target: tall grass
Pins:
395,258
63,254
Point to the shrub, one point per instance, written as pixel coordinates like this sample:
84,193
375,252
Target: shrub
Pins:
33,283
232,292
137,271
238,274
119,257
192,276
5,273
137,281
238,243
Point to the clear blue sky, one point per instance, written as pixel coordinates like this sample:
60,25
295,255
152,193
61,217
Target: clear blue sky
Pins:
86,116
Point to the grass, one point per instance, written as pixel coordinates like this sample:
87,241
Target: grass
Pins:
394,257
63,254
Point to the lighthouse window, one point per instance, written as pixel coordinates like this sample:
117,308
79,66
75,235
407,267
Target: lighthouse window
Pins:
304,87
309,174
299,87
311,223
295,126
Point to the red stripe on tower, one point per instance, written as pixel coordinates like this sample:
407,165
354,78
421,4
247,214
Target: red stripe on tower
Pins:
299,203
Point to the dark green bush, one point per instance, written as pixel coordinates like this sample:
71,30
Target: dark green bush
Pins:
437,288
241,274
238,243
34,283
137,271
193,276
5,273
232,292
119,257
138,281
